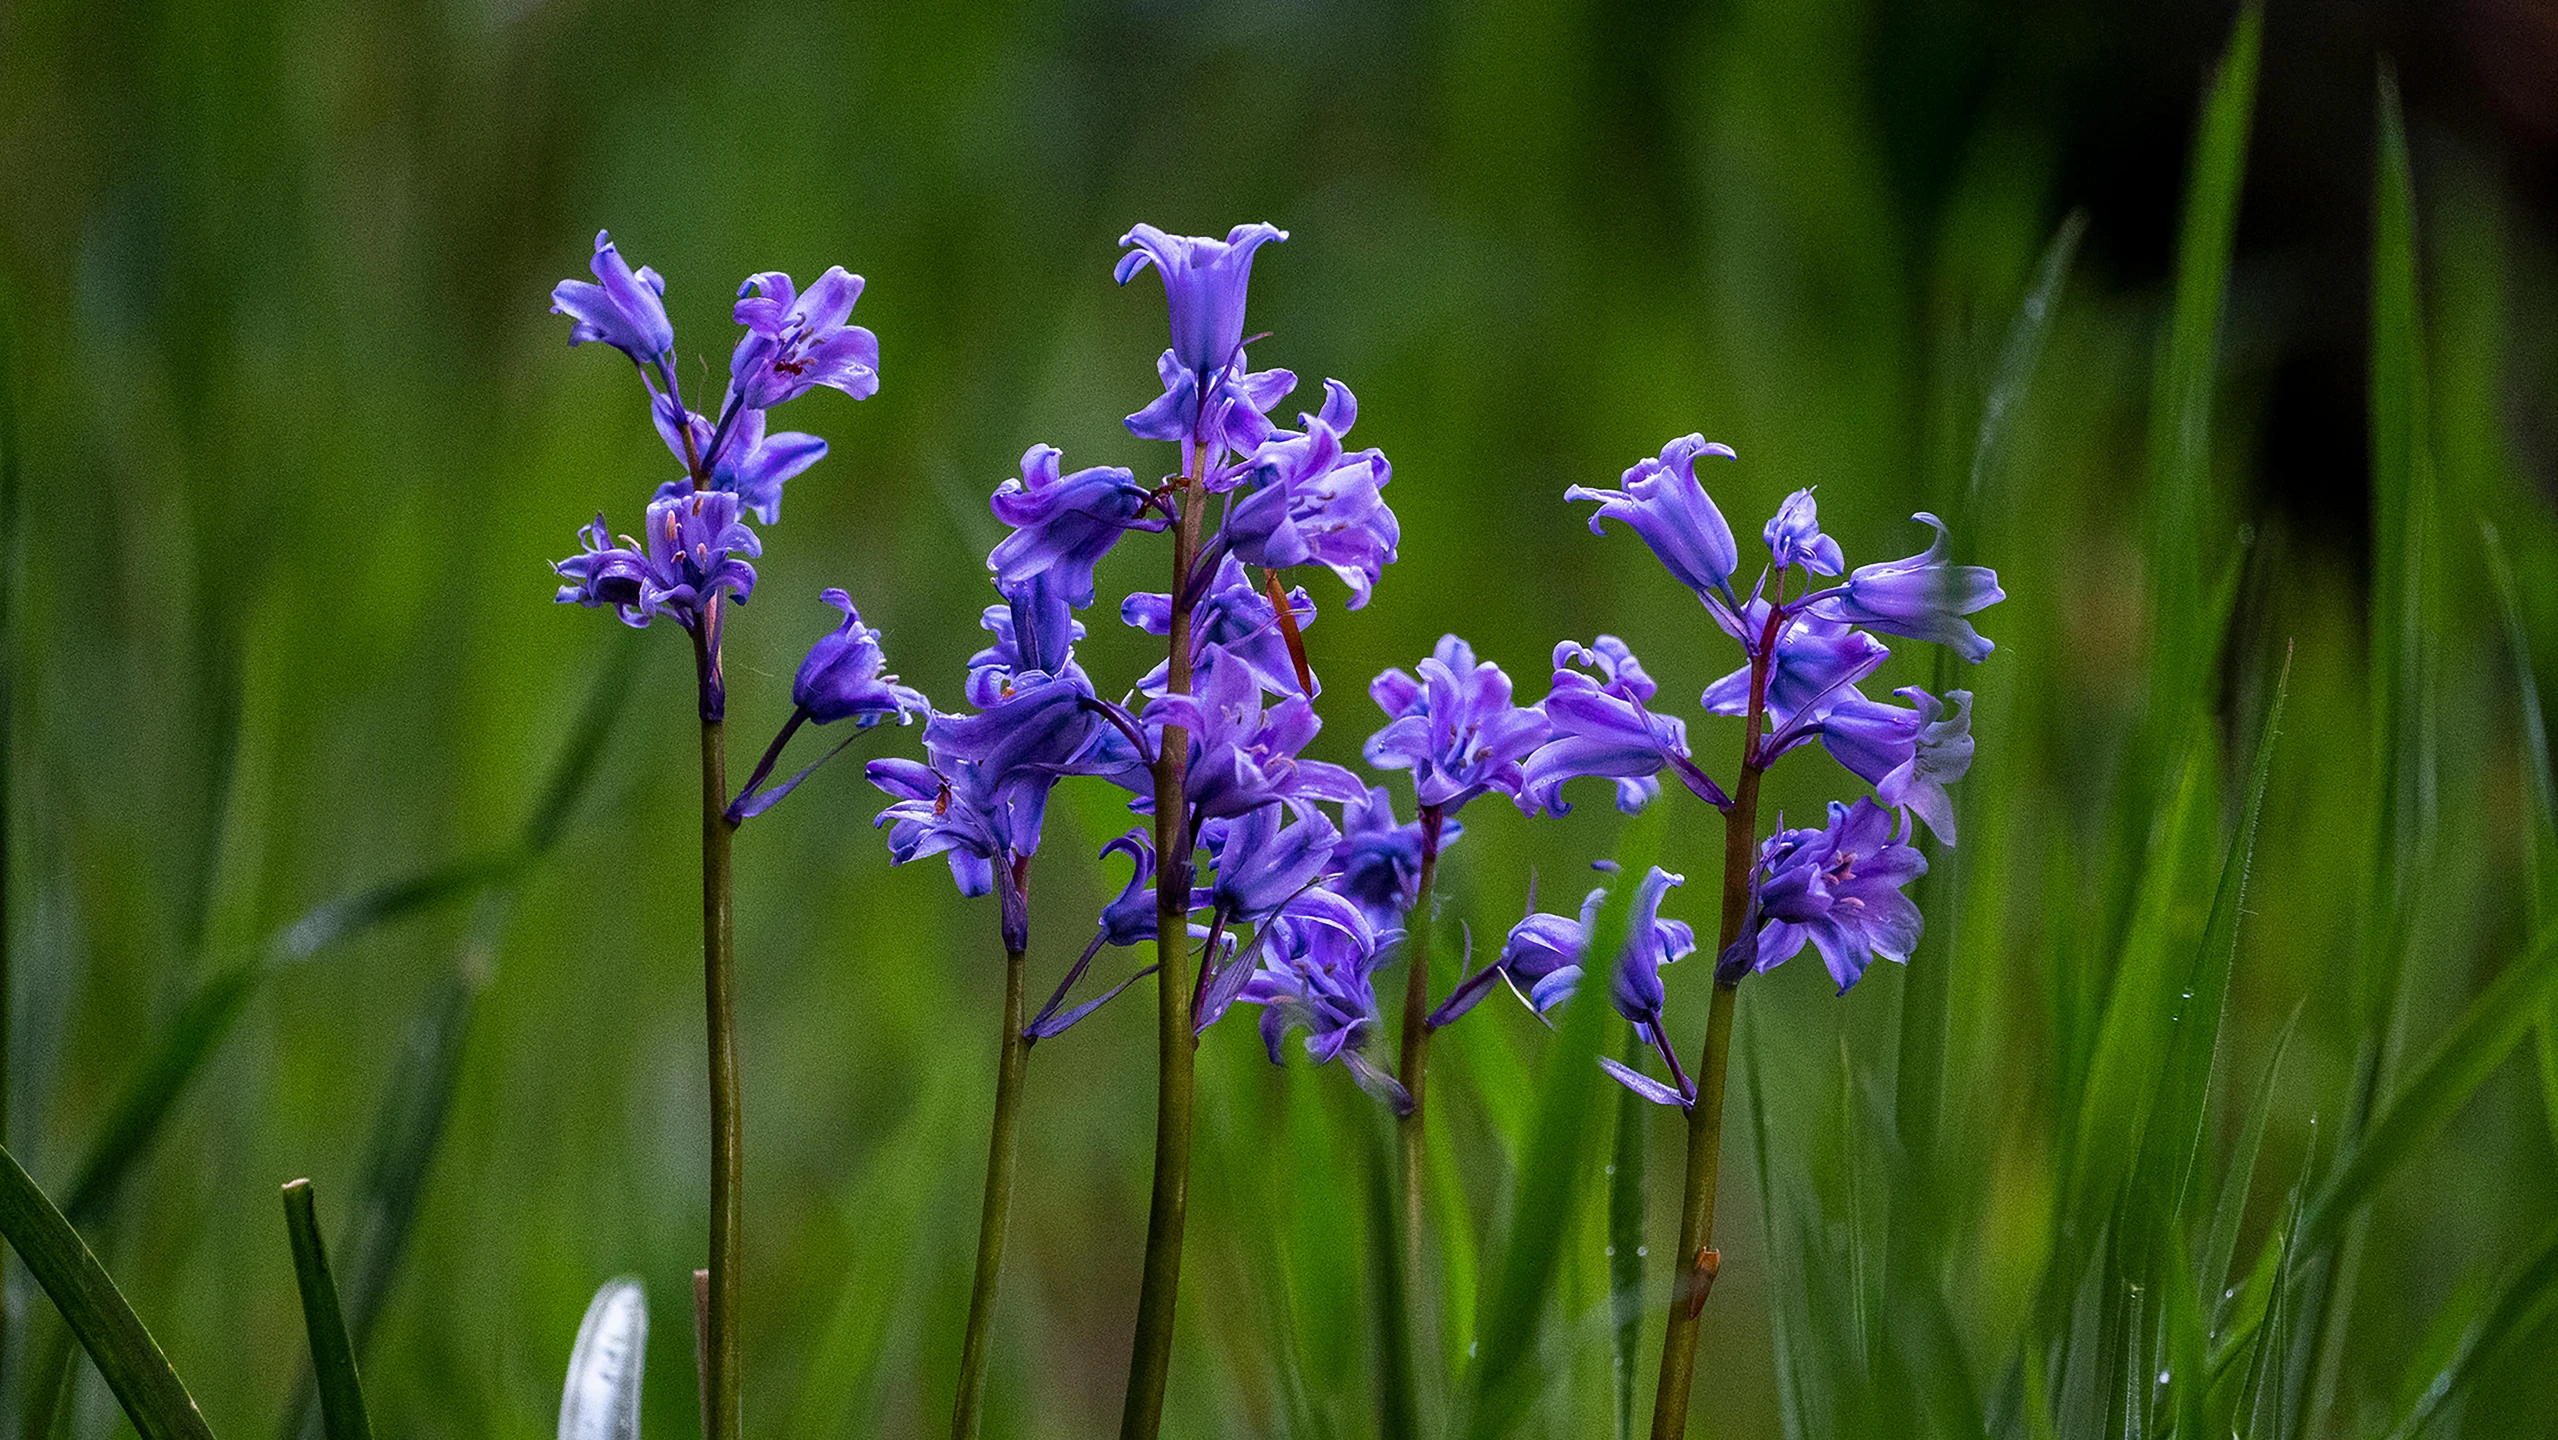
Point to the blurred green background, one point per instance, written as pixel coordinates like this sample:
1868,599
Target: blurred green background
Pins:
294,436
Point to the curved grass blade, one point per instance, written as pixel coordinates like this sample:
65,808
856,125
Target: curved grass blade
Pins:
342,1409
1551,1176
2540,818
602,1398
2220,1247
2525,1298
96,1312
2439,1085
1625,1241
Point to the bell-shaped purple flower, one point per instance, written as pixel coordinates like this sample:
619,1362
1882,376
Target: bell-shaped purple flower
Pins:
1378,863
1243,756
797,341
1838,888
1204,285
1908,755
1454,727
603,573
1924,597
1035,633
1543,953
1264,860
1234,416
1130,919
1665,504
624,309
950,811
1306,501
1598,727
1815,666
748,463
1234,619
1794,537
843,676
1319,960
696,547
1064,524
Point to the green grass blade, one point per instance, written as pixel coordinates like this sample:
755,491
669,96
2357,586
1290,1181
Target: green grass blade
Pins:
2540,816
2220,1246
342,1411
2521,1303
2181,407
152,1396
2020,353
1625,1241
1794,1403
2179,1109
1552,1175
2439,1086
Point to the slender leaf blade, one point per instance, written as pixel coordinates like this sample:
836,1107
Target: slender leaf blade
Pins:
342,1410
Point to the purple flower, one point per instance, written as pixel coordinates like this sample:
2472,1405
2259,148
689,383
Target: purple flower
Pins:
1794,537
749,464
1041,731
1598,727
1063,525
795,342
1235,416
1543,952
1908,756
1454,727
1242,756
1204,284
1319,962
842,676
1816,665
1130,919
952,812
1378,863
1035,633
1664,503
1923,597
1838,888
1265,861
1307,502
695,541
1236,620
623,309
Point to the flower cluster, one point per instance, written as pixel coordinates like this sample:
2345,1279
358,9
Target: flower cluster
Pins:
1808,631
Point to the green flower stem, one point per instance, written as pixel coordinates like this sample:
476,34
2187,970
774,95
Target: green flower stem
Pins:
719,992
1176,1035
1696,1260
996,1213
1400,1384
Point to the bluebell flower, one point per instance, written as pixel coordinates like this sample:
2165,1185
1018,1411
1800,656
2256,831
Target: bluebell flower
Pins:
1305,501
1663,502
1038,733
1908,755
1064,524
1319,960
1130,919
1035,633
797,341
1815,665
1235,620
1598,727
1264,859
1243,756
748,464
1541,956
1378,863
1204,285
1839,889
1923,597
951,812
844,676
1234,417
1454,727
1794,537
696,547
624,309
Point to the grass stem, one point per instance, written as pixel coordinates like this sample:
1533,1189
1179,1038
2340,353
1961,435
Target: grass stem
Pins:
995,1214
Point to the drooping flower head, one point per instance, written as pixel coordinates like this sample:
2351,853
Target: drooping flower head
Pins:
1663,502
844,676
1243,755
696,548
1794,537
1908,755
1378,863
1454,727
1318,963
1233,623
1814,666
625,309
1542,956
1924,597
1204,285
1839,889
1264,859
797,341
1064,524
1598,726
1035,633
1306,501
